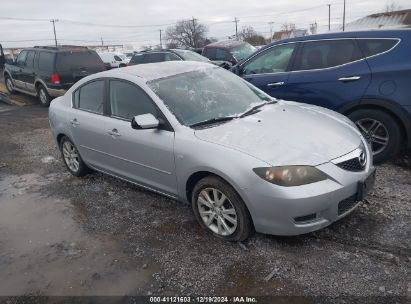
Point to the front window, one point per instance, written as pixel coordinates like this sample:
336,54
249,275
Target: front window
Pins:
191,56
205,94
274,60
242,51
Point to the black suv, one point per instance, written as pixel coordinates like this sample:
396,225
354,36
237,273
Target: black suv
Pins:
48,72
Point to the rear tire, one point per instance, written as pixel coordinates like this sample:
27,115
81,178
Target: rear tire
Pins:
220,210
43,95
72,158
381,131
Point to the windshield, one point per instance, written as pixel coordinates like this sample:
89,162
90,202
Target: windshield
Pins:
208,93
191,56
242,51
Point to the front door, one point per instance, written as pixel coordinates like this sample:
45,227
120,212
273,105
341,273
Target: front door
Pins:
144,156
269,70
329,73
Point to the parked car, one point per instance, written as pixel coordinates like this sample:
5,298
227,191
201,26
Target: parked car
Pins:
232,51
166,55
200,134
114,59
47,72
2,58
364,75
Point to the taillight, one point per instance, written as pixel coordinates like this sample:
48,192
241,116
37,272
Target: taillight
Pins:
55,78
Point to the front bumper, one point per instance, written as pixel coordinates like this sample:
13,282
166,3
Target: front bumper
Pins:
303,209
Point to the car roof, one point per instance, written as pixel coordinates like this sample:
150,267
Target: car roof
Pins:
353,34
158,70
226,43
62,48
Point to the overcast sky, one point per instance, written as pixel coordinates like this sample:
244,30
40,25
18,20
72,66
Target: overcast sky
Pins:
137,22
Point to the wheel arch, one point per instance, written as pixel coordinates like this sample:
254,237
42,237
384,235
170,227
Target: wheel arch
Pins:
195,177
390,108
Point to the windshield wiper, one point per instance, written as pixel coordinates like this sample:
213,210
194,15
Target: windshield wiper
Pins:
253,109
213,120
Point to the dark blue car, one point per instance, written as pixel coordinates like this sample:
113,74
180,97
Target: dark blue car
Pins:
364,75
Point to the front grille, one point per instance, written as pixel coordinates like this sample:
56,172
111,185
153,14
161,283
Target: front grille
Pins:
347,204
352,164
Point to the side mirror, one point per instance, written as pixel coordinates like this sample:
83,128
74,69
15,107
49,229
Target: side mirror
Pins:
145,121
237,70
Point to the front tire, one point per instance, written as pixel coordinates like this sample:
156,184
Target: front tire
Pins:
43,95
9,84
220,210
72,158
381,131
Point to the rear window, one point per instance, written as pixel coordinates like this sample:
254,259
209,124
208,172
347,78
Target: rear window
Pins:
154,57
73,60
46,61
371,47
136,59
327,53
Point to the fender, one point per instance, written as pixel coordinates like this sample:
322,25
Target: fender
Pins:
390,106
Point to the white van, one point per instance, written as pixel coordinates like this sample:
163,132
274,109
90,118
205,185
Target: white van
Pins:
114,59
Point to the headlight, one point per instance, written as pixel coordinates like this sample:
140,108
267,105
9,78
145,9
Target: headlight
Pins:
289,176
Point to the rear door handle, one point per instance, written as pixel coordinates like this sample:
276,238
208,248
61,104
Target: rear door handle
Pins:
114,132
351,78
74,122
276,84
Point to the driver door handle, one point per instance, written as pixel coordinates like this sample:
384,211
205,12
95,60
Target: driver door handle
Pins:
352,78
74,122
276,84
114,132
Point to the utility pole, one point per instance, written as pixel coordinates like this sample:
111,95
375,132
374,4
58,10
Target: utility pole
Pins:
161,41
329,17
102,42
271,30
236,28
344,17
54,29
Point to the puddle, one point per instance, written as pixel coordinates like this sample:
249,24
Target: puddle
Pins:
43,248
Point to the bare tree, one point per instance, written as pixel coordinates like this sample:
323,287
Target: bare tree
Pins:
392,7
251,36
187,33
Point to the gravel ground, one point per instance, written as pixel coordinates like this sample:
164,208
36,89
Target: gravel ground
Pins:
61,235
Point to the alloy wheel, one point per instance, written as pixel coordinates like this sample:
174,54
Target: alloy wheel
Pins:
71,156
375,133
9,85
217,212
43,96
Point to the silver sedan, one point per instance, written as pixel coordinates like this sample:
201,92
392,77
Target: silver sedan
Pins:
197,133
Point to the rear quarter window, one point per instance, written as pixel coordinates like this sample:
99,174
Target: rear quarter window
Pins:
74,60
371,47
46,61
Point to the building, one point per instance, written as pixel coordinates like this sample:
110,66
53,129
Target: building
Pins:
280,35
387,20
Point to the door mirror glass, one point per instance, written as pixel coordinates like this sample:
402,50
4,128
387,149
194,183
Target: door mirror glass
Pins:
145,121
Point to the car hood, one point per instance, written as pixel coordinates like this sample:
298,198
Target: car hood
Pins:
287,133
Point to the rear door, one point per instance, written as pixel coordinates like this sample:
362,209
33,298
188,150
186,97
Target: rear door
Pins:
73,65
269,70
88,123
329,73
